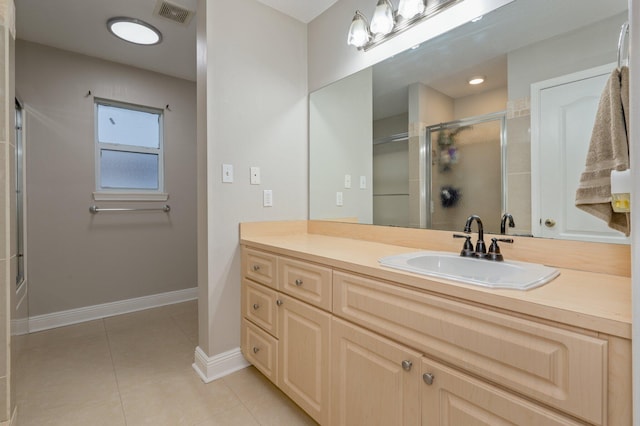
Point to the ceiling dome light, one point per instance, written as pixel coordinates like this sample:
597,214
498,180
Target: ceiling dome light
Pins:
382,21
478,79
410,8
134,31
359,34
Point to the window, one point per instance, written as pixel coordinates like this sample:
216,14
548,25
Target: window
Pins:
129,154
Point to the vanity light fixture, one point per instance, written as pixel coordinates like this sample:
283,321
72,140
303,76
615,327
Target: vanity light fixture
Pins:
134,31
475,80
387,22
382,21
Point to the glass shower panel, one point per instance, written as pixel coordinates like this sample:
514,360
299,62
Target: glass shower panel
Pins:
465,172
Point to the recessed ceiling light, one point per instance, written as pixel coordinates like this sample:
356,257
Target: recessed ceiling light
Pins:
134,31
478,79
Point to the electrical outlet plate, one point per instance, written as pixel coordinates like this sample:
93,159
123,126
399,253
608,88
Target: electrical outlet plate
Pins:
255,175
347,181
339,200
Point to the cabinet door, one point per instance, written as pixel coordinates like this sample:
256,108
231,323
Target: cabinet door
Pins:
451,398
375,381
303,359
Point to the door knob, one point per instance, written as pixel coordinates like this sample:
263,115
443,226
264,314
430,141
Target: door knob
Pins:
256,268
406,365
549,223
256,306
279,302
428,378
256,350
299,282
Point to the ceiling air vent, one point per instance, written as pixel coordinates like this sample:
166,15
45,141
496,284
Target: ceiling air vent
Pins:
173,12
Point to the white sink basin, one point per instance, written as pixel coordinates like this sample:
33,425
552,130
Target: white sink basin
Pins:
481,272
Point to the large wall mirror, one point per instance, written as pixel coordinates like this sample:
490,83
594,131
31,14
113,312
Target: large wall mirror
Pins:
409,141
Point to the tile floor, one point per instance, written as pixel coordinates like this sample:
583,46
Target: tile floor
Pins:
135,369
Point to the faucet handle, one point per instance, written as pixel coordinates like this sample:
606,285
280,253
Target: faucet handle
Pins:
467,250
494,250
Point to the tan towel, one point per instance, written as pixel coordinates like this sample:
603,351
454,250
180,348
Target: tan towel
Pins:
608,150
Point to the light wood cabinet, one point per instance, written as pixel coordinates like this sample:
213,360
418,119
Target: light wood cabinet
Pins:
374,381
352,349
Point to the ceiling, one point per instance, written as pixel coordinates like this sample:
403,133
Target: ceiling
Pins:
80,26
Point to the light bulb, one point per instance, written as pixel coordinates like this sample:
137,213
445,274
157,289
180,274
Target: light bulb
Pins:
475,80
359,34
382,21
410,8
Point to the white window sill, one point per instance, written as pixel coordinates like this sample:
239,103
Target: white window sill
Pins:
130,196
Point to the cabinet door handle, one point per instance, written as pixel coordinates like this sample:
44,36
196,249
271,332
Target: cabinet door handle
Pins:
256,268
299,282
256,306
406,365
279,302
428,378
256,350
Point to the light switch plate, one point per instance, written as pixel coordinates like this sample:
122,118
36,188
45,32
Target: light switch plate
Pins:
347,181
267,198
227,173
339,200
255,175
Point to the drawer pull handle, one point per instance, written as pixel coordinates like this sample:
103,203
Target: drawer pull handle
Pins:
299,282
256,350
279,302
256,268
256,306
428,378
406,365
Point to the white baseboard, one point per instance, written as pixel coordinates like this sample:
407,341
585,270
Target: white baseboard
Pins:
20,326
74,316
217,366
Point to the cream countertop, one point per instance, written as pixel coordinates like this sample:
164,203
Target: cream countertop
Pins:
589,300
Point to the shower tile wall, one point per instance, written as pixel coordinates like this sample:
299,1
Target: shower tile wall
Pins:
519,164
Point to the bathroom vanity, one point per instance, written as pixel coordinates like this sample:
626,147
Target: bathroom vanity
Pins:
352,342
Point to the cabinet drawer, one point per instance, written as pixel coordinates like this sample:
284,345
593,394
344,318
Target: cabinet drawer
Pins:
260,349
453,398
259,266
307,282
563,369
259,306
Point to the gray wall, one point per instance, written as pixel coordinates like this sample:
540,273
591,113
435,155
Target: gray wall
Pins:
252,99
76,259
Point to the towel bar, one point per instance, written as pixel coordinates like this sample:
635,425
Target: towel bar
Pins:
165,208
